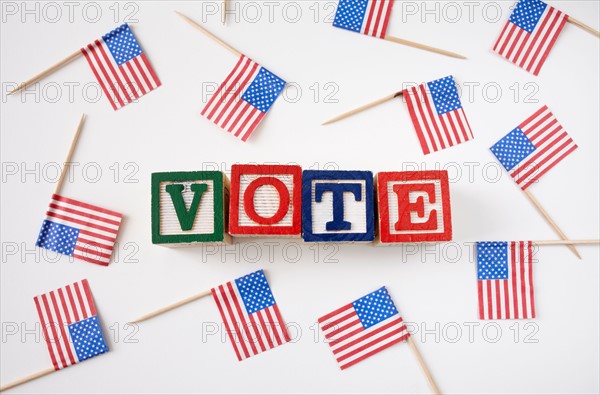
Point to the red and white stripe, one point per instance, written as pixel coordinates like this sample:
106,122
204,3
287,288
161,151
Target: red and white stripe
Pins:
98,227
511,298
435,132
377,17
250,334
552,144
530,50
57,310
121,84
351,343
227,109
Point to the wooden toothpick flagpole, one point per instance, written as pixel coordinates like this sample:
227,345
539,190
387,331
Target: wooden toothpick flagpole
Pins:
583,26
47,72
209,34
423,365
65,168
550,221
423,47
26,379
363,108
224,12
170,307
564,242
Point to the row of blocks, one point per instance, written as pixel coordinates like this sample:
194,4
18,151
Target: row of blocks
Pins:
317,205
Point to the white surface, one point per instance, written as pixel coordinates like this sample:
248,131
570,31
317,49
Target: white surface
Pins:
432,285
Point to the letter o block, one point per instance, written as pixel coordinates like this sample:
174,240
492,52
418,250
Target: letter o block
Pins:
189,207
337,206
414,206
266,200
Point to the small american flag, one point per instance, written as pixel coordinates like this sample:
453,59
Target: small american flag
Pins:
364,16
530,34
121,67
250,314
533,147
362,328
79,230
244,98
70,324
505,280
437,114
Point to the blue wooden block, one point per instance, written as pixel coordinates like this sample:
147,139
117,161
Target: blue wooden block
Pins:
337,206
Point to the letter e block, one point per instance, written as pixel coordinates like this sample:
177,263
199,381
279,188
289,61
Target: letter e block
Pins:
266,200
337,206
189,207
414,206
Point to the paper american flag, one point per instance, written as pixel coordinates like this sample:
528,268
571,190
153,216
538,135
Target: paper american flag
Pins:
437,114
530,33
505,280
368,17
70,324
80,230
534,147
121,67
362,328
250,314
243,99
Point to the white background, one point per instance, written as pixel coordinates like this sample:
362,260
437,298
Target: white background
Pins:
165,131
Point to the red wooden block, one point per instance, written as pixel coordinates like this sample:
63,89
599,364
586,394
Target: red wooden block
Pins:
414,206
265,200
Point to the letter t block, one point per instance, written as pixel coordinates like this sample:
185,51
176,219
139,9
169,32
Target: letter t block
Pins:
189,207
414,206
337,206
266,200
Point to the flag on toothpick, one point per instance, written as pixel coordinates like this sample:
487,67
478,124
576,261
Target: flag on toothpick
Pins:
534,147
505,280
437,114
251,316
530,34
121,67
80,230
362,328
368,17
243,99
70,324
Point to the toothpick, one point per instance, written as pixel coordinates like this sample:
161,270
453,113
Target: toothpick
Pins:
583,26
224,12
423,47
65,169
26,379
363,108
47,72
209,34
551,221
424,367
564,242
170,307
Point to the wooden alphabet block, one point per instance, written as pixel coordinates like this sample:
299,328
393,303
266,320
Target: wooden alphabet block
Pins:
337,206
266,200
413,206
190,207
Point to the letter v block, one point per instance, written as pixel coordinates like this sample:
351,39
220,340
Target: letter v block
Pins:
266,200
414,206
337,206
189,207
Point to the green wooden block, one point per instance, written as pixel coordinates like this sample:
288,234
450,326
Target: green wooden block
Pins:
190,207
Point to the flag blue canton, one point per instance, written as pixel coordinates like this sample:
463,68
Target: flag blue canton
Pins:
255,291
374,307
492,260
512,148
527,14
87,338
122,44
57,237
445,95
350,14
263,90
